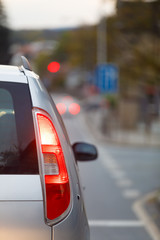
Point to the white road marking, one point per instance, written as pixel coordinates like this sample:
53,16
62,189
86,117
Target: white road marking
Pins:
139,209
115,223
131,193
121,180
124,182
118,174
111,165
106,158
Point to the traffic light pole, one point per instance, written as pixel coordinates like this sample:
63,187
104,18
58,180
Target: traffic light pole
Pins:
101,42
101,38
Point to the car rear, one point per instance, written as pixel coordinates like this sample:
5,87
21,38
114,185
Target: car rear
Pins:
40,191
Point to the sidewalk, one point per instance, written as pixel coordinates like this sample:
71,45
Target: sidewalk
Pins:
115,135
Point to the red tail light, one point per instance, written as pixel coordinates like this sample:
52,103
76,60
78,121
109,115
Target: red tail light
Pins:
54,171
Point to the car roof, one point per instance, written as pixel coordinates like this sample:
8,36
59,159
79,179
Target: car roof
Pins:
12,74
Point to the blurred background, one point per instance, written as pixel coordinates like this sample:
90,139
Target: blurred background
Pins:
100,60
108,54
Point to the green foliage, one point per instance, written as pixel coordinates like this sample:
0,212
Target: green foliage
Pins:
54,80
62,51
134,42
4,37
112,100
3,18
41,63
27,36
78,48
135,17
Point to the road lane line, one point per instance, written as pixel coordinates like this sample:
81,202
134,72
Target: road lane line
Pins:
118,174
111,165
108,162
131,193
124,183
115,223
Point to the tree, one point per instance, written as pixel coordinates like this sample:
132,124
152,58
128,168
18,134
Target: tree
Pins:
4,37
78,48
133,42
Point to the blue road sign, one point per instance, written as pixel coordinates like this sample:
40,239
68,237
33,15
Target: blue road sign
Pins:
107,78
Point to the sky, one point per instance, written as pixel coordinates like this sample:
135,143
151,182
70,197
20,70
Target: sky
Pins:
38,14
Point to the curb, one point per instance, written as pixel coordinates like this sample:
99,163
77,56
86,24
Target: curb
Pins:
139,209
109,140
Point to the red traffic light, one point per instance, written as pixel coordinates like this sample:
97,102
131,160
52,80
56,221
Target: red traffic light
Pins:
53,67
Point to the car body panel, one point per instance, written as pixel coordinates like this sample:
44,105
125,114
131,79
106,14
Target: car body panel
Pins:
21,208
75,225
23,220
20,188
12,74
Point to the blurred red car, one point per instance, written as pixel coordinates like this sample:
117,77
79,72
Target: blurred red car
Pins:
67,105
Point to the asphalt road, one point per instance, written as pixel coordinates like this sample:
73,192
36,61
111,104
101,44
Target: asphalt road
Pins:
113,183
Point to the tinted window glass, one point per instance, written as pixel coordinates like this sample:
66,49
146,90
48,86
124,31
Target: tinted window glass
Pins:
17,140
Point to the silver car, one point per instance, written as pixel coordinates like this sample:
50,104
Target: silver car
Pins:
40,192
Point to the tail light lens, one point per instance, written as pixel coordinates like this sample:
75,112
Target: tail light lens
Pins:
53,168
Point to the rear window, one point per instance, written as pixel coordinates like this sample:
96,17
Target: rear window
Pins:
17,139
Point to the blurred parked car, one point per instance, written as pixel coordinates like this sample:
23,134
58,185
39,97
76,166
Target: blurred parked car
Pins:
41,196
